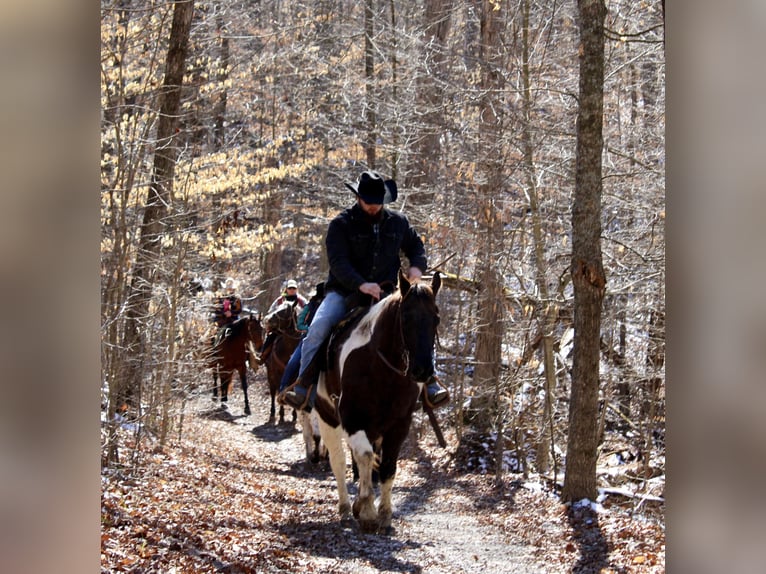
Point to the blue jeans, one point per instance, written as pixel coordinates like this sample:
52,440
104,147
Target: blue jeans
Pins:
329,313
291,368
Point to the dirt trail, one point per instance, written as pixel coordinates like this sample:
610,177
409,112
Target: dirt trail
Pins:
234,495
437,523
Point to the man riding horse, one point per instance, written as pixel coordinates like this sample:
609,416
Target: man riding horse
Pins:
289,295
363,244
227,309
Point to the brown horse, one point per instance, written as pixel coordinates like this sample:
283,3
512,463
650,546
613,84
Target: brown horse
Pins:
283,322
233,346
375,373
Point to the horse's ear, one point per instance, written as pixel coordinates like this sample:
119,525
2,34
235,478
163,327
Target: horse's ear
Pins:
404,284
436,282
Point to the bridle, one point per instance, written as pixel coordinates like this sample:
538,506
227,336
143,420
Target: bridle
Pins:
293,325
403,372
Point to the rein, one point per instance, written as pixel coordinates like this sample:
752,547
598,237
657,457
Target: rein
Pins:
405,353
400,372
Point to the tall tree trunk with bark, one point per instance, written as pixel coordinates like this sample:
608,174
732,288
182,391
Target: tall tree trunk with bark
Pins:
490,169
548,309
587,268
219,110
370,140
153,226
425,150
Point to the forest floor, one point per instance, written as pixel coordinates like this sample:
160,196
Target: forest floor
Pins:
234,494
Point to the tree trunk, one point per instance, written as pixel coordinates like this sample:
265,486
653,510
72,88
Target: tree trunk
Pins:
586,266
490,165
219,111
154,224
422,170
369,78
548,311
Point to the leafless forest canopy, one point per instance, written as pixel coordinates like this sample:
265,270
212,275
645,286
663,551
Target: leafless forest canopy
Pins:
282,101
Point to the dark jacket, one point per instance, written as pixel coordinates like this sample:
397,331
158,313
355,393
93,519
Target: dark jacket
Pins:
360,252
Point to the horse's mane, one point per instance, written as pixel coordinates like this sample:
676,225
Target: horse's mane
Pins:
418,290
238,325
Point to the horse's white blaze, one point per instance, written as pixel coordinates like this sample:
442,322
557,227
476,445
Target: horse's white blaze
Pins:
362,333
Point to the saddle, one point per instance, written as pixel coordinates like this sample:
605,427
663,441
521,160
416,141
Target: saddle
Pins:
357,306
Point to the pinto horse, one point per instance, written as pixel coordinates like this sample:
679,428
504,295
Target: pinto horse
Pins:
283,322
375,372
230,352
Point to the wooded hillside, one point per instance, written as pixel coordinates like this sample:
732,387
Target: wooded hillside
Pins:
470,105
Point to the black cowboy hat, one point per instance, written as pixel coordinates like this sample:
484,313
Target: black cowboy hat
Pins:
372,188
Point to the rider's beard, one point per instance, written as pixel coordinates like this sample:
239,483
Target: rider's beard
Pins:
373,219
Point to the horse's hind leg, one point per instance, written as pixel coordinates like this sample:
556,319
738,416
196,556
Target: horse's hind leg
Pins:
308,439
334,443
364,504
311,437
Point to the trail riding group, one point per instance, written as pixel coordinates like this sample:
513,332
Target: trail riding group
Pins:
356,358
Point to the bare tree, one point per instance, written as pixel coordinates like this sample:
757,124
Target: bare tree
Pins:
423,168
126,387
369,78
219,108
490,168
587,268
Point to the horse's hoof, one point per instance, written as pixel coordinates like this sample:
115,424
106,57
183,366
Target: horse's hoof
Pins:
347,522
368,526
247,411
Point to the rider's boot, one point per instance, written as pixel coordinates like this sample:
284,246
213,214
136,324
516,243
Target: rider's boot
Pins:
302,393
436,394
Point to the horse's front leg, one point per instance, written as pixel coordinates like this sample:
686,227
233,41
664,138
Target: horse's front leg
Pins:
273,411
215,383
385,508
225,382
334,442
390,448
243,380
364,504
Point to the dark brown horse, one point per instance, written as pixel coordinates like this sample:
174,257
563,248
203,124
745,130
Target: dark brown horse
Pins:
283,322
376,369
231,349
